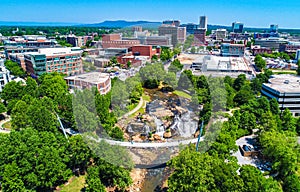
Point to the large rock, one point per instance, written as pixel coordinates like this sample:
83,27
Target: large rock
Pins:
136,138
167,134
156,137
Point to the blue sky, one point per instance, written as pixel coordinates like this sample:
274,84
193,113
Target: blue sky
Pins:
254,13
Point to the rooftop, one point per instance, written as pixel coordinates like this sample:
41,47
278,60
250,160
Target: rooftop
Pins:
284,83
92,77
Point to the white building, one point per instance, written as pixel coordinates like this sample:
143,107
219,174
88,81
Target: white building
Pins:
4,77
88,80
286,90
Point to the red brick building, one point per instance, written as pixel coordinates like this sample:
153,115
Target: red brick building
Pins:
199,36
261,50
115,41
143,50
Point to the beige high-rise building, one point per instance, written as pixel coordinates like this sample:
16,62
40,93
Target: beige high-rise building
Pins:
169,30
181,34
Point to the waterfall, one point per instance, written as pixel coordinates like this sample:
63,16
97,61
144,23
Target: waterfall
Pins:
185,125
146,129
129,129
160,128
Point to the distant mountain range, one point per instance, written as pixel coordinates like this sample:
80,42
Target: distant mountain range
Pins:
124,24
29,24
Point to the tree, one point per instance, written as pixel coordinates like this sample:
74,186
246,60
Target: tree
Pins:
151,75
12,90
288,122
14,68
79,151
154,58
291,183
254,180
117,133
2,108
274,107
256,85
19,115
239,82
243,95
193,50
113,61
128,64
260,62
33,161
119,97
176,51
194,171
112,175
93,181
283,156
170,79
247,121
175,66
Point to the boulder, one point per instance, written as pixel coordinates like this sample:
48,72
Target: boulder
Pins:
156,137
167,134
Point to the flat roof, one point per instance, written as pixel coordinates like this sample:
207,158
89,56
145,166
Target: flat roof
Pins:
214,62
284,83
92,77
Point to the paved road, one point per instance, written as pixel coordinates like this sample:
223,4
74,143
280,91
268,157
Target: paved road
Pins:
151,145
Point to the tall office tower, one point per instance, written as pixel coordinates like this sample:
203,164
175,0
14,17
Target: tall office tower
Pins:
203,22
274,28
169,30
237,27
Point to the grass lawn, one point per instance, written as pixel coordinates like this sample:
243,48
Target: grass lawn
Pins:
7,125
182,94
146,97
132,106
279,72
75,185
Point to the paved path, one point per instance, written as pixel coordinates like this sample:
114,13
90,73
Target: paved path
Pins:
2,130
151,145
133,110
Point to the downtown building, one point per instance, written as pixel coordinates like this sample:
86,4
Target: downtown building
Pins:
237,27
232,50
46,60
4,75
286,90
116,41
89,80
171,30
200,33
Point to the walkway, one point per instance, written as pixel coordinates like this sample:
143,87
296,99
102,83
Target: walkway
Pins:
3,130
150,145
133,110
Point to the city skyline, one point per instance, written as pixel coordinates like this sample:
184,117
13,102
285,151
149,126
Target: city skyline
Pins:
93,11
